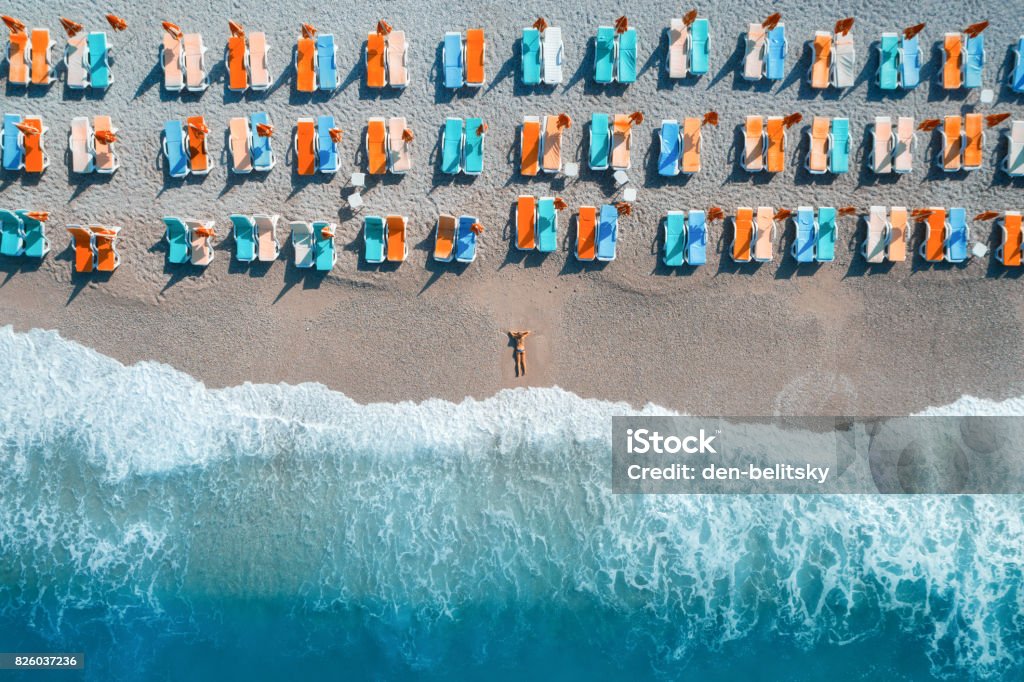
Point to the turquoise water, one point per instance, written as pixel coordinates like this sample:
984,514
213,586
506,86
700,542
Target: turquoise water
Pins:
275,532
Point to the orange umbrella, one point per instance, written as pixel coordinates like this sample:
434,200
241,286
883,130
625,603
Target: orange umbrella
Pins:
690,17
992,120
335,134
13,24
987,215
974,30
540,24
482,129
636,118
264,130
173,29
116,22
912,31
715,213
105,231
27,128
72,28
624,208
929,124
919,214
783,214
792,120
308,31
204,231
41,216
106,136
621,24
843,26
236,29
847,210
200,128
407,135
710,118
477,228
772,21
327,232
564,121
560,204
383,27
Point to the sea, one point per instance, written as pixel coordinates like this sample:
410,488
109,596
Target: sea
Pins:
170,531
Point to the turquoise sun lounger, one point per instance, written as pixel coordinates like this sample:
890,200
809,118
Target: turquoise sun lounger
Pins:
1017,76
373,238
974,61
668,159
174,149
326,149
956,239
888,62
825,235
696,238
323,247
803,245
839,153
99,61
243,229
607,232
775,56
179,244
326,62
547,225
604,54
627,57
452,57
600,142
473,148
675,239
12,239
262,153
34,232
699,36
910,63
531,56
14,148
451,146
465,239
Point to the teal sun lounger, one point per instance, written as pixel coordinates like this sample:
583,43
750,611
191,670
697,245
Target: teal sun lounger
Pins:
12,239
825,235
974,61
179,244
473,148
99,61
34,231
451,146
910,63
323,248
326,148
604,55
626,62
699,36
839,154
600,142
888,62
243,229
373,239
675,239
547,225
531,56
13,147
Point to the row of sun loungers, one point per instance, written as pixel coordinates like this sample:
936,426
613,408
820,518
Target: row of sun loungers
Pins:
462,146
899,62
610,145
22,144
386,60
455,238
540,144
247,64
95,248
89,152
764,145
686,238
688,48
829,145
316,64
542,53
680,147
23,234
536,224
316,151
615,57
87,61
184,63
463,59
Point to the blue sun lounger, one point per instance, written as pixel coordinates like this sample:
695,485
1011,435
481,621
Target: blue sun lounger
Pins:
243,229
99,62
627,57
326,62
531,56
473,148
910,63
607,232
1017,75
451,55
34,233
825,235
14,148
956,238
888,62
465,240
547,225
451,146
696,238
699,36
604,54
600,142
323,248
839,161
12,239
974,61
262,153
803,245
675,239
373,239
775,55
179,244
668,159
326,149
174,149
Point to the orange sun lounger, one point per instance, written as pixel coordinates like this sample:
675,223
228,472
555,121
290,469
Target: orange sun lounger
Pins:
198,153
691,145
475,47
1010,250
18,66
104,241
897,248
822,66
237,62
375,72
776,154
305,67
934,249
526,221
398,248
81,241
35,156
586,233
376,147
952,70
743,235
529,143
817,159
973,136
42,70
952,144
305,150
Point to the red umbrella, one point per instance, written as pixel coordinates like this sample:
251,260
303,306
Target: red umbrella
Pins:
116,22
624,208
792,120
72,28
477,228
929,124
41,216
560,204
843,26
335,134
383,27
173,29
236,29
204,231
783,214
987,215
636,118
847,210
200,128
710,118
327,232
407,135
308,31
481,129
974,30
106,136
564,121
690,17
27,128
772,21
264,130
992,120
715,213
912,31
13,24
621,24
540,24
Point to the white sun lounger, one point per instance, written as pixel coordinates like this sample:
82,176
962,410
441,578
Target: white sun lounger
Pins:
80,146
552,50
873,247
1013,164
844,64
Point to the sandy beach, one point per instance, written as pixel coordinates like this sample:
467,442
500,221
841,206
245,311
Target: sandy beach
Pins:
777,338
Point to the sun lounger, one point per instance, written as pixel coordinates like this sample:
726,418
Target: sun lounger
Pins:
888,62
599,148
839,145
453,64
305,147
532,63
243,229
473,147
18,67
397,247
199,162
910,63
397,50
465,239
302,243
604,55
172,60
82,244
775,154
903,145
179,246
526,222
678,57
881,145
104,241
259,68
76,63
196,78
36,160
107,160
529,146
305,65
239,145
607,233
625,63
775,55
952,69
201,239
873,247
326,147
100,77
825,235
326,63
844,64
13,144
974,137
675,239
803,245
586,233
622,141
743,235
475,51
1009,251
753,145
451,146
552,50
236,58
547,225
12,240
41,54
175,150
754,53
376,66
1017,74
974,62
700,35
374,240
821,63
551,161
263,159
670,151
80,146
897,234
933,249
399,159
444,238
266,237
1013,164
957,235
34,233
696,238
323,239
817,155
952,144
764,233
376,146
691,145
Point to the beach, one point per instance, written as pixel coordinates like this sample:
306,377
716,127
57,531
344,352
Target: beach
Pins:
842,338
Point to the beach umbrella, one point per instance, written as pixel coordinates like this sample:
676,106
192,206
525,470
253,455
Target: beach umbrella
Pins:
911,31
106,136
27,128
992,120
99,229
919,214
13,24
715,213
308,31
327,232
636,118
621,24
843,26
987,215
974,30
929,124
116,22
335,134
541,25
481,129
264,130
782,214
383,27
847,210
690,17
236,29
41,216
772,21
560,204
200,128
792,120
624,207
72,28
204,231
477,228
564,121
173,29
710,119
407,135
